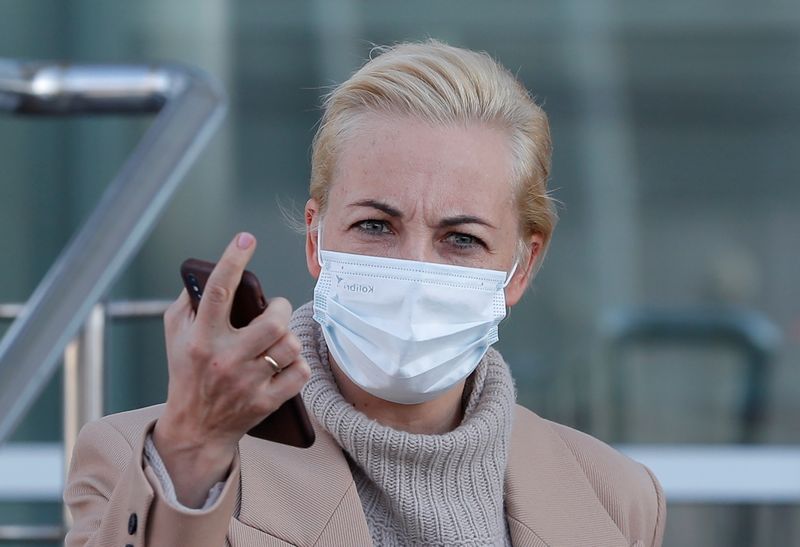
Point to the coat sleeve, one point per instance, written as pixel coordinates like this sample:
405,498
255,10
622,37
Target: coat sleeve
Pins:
661,511
114,499
628,490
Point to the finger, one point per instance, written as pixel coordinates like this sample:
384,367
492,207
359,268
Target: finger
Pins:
266,329
215,306
289,381
280,387
180,310
184,307
284,352
184,302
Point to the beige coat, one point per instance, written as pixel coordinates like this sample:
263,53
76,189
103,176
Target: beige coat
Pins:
563,489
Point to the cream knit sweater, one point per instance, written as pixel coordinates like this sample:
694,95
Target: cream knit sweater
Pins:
444,490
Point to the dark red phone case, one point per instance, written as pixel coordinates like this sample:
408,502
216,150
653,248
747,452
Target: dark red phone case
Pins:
289,424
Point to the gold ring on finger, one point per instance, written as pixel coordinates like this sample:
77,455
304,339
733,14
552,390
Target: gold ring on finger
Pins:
276,368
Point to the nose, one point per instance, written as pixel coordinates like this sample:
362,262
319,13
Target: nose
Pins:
417,245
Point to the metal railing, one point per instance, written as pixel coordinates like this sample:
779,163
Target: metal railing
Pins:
751,335
83,387
189,107
754,337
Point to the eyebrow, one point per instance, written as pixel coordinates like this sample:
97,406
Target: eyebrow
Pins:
457,220
447,222
379,205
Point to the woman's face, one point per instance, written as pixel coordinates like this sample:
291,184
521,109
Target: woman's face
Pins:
406,189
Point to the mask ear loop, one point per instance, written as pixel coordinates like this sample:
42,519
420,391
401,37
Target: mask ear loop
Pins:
511,274
508,280
319,243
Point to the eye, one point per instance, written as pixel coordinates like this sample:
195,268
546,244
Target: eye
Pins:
464,241
373,227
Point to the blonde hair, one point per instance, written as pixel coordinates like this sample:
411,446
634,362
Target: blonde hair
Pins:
442,84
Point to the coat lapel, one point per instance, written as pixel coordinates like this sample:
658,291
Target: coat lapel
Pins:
308,497
549,500
301,496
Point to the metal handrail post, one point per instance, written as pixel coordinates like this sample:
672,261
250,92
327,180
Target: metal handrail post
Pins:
83,390
83,383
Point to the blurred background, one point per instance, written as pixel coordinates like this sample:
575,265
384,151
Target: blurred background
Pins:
667,312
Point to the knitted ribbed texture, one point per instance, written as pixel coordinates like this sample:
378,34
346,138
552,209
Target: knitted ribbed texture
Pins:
444,490
153,459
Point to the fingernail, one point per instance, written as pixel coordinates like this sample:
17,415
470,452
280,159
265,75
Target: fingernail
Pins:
244,240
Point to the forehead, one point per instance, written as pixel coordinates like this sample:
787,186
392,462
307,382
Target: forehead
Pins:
460,169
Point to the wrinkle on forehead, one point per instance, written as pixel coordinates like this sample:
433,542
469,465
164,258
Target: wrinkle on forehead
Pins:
439,170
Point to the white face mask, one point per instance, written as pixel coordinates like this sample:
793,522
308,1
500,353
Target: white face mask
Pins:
406,331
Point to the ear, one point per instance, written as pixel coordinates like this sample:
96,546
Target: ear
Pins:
522,276
312,219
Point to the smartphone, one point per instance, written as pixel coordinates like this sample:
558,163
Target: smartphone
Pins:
289,424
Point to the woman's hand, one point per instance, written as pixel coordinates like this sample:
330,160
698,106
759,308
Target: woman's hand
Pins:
219,385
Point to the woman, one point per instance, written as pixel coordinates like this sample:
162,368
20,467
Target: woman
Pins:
428,217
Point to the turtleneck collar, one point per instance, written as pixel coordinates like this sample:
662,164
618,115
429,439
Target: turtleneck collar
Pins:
421,489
